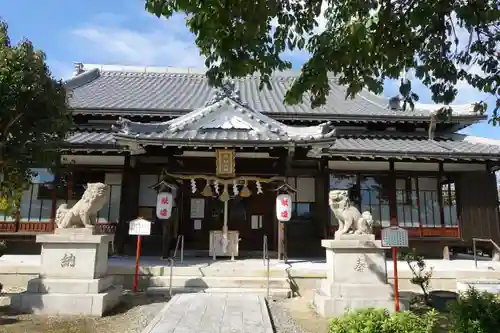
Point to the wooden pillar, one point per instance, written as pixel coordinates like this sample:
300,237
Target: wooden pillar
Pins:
281,240
128,203
393,209
440,193
287,159
321,209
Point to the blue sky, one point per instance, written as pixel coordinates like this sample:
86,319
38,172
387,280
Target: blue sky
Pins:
122,32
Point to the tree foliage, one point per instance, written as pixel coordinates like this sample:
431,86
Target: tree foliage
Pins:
442,42
34,118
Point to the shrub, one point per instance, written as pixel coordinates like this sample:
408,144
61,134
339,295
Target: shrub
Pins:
475,312
381,321
421,273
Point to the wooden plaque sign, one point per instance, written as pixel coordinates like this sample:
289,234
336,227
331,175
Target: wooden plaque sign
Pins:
225,163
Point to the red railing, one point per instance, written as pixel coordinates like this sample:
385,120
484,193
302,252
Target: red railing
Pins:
46,227
35,227
7,227
415,232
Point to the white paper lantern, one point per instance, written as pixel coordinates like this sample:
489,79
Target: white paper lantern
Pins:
284,207
164,202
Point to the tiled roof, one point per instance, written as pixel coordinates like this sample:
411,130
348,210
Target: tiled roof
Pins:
225,119
80,137
364,145
411,147
173,91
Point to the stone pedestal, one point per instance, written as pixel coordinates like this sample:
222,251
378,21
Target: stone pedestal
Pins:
356,277
72,278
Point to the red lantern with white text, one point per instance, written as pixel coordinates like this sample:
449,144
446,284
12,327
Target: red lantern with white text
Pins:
284,207
164,203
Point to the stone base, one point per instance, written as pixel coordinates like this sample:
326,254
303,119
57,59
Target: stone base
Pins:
335,300
356,277
327,306
70,286
68,304
73,276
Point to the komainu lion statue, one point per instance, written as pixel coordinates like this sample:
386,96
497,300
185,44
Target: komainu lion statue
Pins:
349,217
84,212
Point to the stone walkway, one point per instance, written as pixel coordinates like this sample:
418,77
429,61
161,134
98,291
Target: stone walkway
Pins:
212,313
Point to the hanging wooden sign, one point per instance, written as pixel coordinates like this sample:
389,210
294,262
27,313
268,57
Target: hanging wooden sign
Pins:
225,160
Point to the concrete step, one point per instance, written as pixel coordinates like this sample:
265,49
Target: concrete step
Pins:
221,269
276,293
219,282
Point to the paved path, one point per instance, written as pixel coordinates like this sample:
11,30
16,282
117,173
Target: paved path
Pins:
212,313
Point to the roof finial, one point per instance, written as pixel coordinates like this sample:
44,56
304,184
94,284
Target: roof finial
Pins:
226,90
395,103
78,68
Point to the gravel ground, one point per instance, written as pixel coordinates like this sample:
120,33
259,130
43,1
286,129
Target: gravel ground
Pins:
282,319
131,316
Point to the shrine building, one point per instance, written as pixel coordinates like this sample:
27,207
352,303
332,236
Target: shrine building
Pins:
226,153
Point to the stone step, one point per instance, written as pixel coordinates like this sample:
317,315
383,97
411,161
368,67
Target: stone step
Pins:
219,282
276,293
200,271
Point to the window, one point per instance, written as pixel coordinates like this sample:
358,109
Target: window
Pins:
374,197
344,182
449,202
301,211
36,201
407,202
304,198
111,210
147,195
367,193
417,198
82,178
418,202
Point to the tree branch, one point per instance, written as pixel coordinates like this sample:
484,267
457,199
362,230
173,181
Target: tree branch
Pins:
9,125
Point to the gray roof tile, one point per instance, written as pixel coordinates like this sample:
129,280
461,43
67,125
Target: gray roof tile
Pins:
387,146
375,145
143,93
91,138
224,118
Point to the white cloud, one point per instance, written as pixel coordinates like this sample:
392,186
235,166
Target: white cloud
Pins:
142,40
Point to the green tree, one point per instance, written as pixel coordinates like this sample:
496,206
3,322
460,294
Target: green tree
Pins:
34,117
363,43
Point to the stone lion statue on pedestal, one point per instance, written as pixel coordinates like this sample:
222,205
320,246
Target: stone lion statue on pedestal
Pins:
349,217
84,213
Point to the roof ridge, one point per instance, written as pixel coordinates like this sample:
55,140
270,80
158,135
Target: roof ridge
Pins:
82,79
104,68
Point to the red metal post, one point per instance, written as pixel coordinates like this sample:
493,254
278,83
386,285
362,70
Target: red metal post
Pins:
396,282
137,255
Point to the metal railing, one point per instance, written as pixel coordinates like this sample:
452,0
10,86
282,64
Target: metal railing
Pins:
486,240
265,258
171,264
214,238
180,241
264,249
